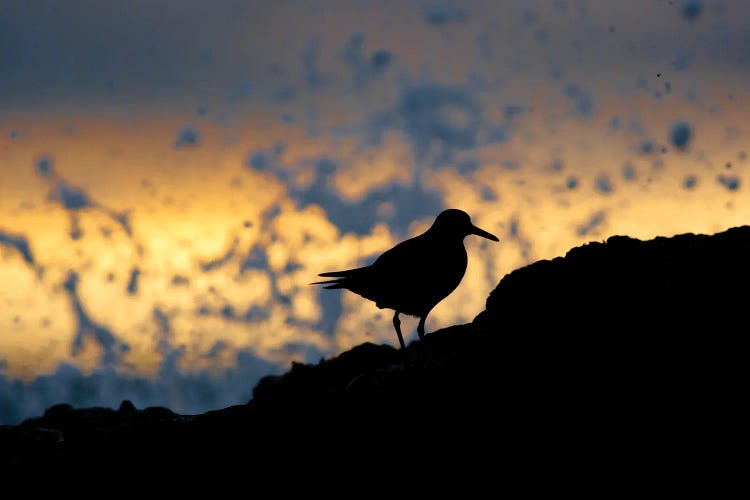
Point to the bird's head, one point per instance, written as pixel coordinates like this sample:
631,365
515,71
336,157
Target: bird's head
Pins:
457,222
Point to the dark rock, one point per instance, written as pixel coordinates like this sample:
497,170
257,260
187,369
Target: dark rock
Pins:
58,411
623,351
159,413
127,408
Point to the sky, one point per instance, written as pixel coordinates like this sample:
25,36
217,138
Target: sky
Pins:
174,174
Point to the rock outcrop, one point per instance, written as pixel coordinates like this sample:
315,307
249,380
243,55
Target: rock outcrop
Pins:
617,349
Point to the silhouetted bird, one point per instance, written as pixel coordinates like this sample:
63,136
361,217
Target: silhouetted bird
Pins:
416,274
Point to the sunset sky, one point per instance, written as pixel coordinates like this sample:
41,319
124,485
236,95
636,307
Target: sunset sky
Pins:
174,173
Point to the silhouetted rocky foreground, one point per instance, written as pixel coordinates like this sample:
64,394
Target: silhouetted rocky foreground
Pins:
626,350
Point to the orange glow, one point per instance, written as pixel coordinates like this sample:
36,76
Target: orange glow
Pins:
197,213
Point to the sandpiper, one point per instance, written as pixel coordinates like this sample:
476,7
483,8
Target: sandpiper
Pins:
412,277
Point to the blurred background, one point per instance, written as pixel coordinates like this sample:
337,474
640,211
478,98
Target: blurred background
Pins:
174,174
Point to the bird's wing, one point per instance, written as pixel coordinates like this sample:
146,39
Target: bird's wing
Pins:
404,257
384,282
420,272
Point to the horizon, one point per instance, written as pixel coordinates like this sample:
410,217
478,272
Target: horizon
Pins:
171,179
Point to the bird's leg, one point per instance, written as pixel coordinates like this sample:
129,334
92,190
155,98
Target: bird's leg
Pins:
427,349
397,324
420,327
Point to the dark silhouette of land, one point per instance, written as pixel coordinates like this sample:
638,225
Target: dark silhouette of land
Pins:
623,355
412,277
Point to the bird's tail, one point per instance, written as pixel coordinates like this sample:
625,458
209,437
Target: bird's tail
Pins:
331,284
342,278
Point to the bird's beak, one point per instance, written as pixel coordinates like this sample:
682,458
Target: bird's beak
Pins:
483,233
